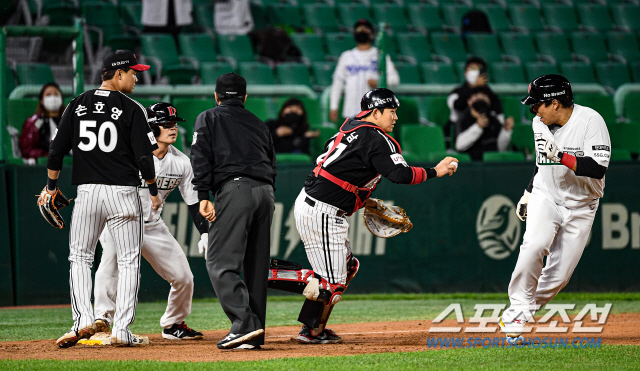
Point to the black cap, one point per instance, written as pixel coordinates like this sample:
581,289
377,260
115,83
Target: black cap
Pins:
162,113
377,98
231,85
547,88
122,58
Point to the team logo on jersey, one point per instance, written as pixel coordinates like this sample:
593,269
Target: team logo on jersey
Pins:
195,138
152,138
102,93
398,159
498,227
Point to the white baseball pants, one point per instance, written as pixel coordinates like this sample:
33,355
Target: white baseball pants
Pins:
166,257
325,237
557,232
119,209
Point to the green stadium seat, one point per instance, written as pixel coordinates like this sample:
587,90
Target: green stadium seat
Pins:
316,145
507,73
438,73
625,136
323,73
595,17
626,16
10,81
537,69
497,15
434,109
293,158
391,14
620,155
511,106
294,74
105,16
452,15
311,46
438,156
409,114
19,110
460,68
236,47
522,139
418,141
145,102
61,13
338,42
198,47
526,17
414,45
599,102
631,104
131,13
162,48
624,44
285,15
561,17
485,46
203,16
259,15
449,45
590,45
34,73
210,71
321,17
555,45
519,45
612,74
260,107
578,72
257,73
409,73
635,70
425,17
189,109
312,106
350,13
503,156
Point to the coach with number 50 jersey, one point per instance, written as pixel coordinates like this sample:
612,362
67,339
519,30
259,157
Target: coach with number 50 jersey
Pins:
232,156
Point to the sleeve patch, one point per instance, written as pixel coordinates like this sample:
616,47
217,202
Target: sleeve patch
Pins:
601,148
152,138
398,159
195,138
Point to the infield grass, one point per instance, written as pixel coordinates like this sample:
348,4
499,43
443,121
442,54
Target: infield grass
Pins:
32,324
607,357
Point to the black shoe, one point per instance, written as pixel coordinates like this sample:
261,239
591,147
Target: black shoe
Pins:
181,332
235,340
327,336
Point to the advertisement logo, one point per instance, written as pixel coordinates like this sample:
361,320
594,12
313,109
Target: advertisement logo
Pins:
498,227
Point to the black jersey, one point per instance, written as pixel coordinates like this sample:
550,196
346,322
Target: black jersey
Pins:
108,132
364,154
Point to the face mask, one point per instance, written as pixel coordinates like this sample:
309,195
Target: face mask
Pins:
52,102
362,37
472,76
292,119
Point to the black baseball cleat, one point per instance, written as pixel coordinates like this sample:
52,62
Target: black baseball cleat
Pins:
235,340
181,332
327,336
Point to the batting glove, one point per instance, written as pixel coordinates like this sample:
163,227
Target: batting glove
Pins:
521,210
203,243
548,149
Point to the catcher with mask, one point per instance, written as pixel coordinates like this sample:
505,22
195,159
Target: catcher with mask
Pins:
345,175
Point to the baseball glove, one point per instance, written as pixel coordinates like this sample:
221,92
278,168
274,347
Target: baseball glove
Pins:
385,220
50,204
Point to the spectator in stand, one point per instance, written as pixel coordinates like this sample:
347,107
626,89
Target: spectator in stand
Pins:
290,130
166,16
38,129
233,17
357,72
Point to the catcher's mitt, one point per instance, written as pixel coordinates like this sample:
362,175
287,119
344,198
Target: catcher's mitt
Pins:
385,220
50,204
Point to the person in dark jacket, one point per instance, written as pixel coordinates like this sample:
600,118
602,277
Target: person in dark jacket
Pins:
233,156
37,129
290,131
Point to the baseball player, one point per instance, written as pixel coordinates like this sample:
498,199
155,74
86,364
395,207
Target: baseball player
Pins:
112,143
560,203
160,248
345,175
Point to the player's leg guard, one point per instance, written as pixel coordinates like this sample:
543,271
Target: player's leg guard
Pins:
290,277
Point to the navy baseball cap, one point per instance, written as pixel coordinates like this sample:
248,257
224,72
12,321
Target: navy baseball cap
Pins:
231,85
122,58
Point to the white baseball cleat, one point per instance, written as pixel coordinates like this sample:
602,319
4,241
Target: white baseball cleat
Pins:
514,328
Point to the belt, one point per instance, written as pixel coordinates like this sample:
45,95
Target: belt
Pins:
254,183
312,203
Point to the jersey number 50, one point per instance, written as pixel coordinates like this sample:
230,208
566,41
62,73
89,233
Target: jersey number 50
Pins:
85,125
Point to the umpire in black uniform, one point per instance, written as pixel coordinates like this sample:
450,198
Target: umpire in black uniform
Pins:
233,157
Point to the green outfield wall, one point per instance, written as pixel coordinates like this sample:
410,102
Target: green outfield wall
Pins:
465,236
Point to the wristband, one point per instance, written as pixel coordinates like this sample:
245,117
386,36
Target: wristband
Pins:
567,160
153,189
51,184
431,173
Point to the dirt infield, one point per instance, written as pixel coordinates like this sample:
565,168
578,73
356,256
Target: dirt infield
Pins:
360,338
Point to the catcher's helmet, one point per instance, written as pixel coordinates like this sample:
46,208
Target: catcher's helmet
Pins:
547,88
159,114
377,98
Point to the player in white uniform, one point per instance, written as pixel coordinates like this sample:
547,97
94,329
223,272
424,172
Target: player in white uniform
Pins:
357,72
572,155
160,248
